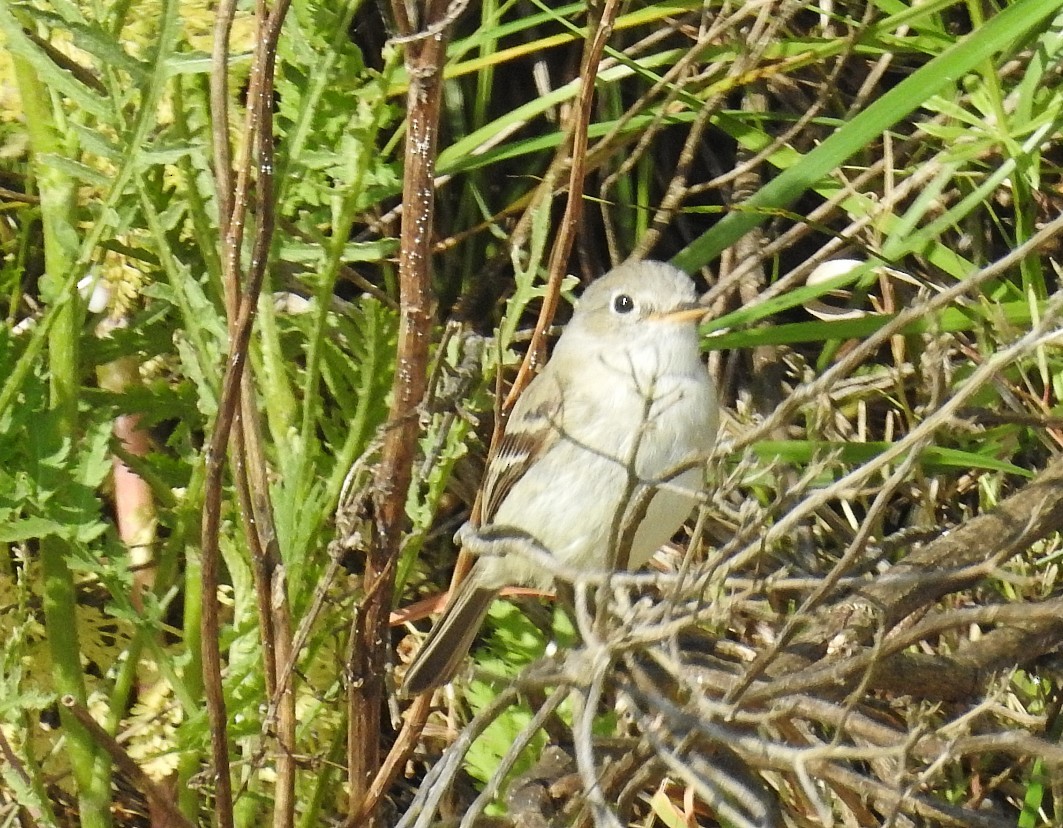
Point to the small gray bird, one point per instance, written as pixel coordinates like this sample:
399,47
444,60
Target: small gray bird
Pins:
604,437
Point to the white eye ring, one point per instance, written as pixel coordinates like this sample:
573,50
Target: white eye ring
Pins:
622,303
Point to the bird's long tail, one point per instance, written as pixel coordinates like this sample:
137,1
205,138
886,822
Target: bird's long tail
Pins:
450,639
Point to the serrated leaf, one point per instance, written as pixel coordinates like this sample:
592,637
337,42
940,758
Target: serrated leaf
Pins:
94,455
24,701
75,169
165,155
199,63
59,79
206,400
90,38
70,11
29,528
94,142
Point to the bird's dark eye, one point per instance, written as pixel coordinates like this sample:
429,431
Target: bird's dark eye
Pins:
622,303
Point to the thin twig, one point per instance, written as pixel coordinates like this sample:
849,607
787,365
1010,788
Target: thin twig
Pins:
577,136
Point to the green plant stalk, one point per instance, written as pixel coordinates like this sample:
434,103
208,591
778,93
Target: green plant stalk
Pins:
190,762
197,333
358,434
19,264
204,223
319,80
330,272
324,780
35,73
124,682
271,367
91,768
1026,212
644,183
623,202
267,360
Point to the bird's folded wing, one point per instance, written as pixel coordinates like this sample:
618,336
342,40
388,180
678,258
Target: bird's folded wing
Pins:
533,428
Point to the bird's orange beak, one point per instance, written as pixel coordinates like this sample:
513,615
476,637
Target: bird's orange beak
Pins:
684,315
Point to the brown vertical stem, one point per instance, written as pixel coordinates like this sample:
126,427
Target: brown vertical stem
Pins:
424,60
270,581
210,625
237,417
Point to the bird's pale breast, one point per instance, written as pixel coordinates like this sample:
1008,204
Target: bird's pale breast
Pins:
574,500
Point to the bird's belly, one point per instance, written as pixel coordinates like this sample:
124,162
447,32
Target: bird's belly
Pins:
576,506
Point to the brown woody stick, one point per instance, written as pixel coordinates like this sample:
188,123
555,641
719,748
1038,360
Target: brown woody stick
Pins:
424,60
